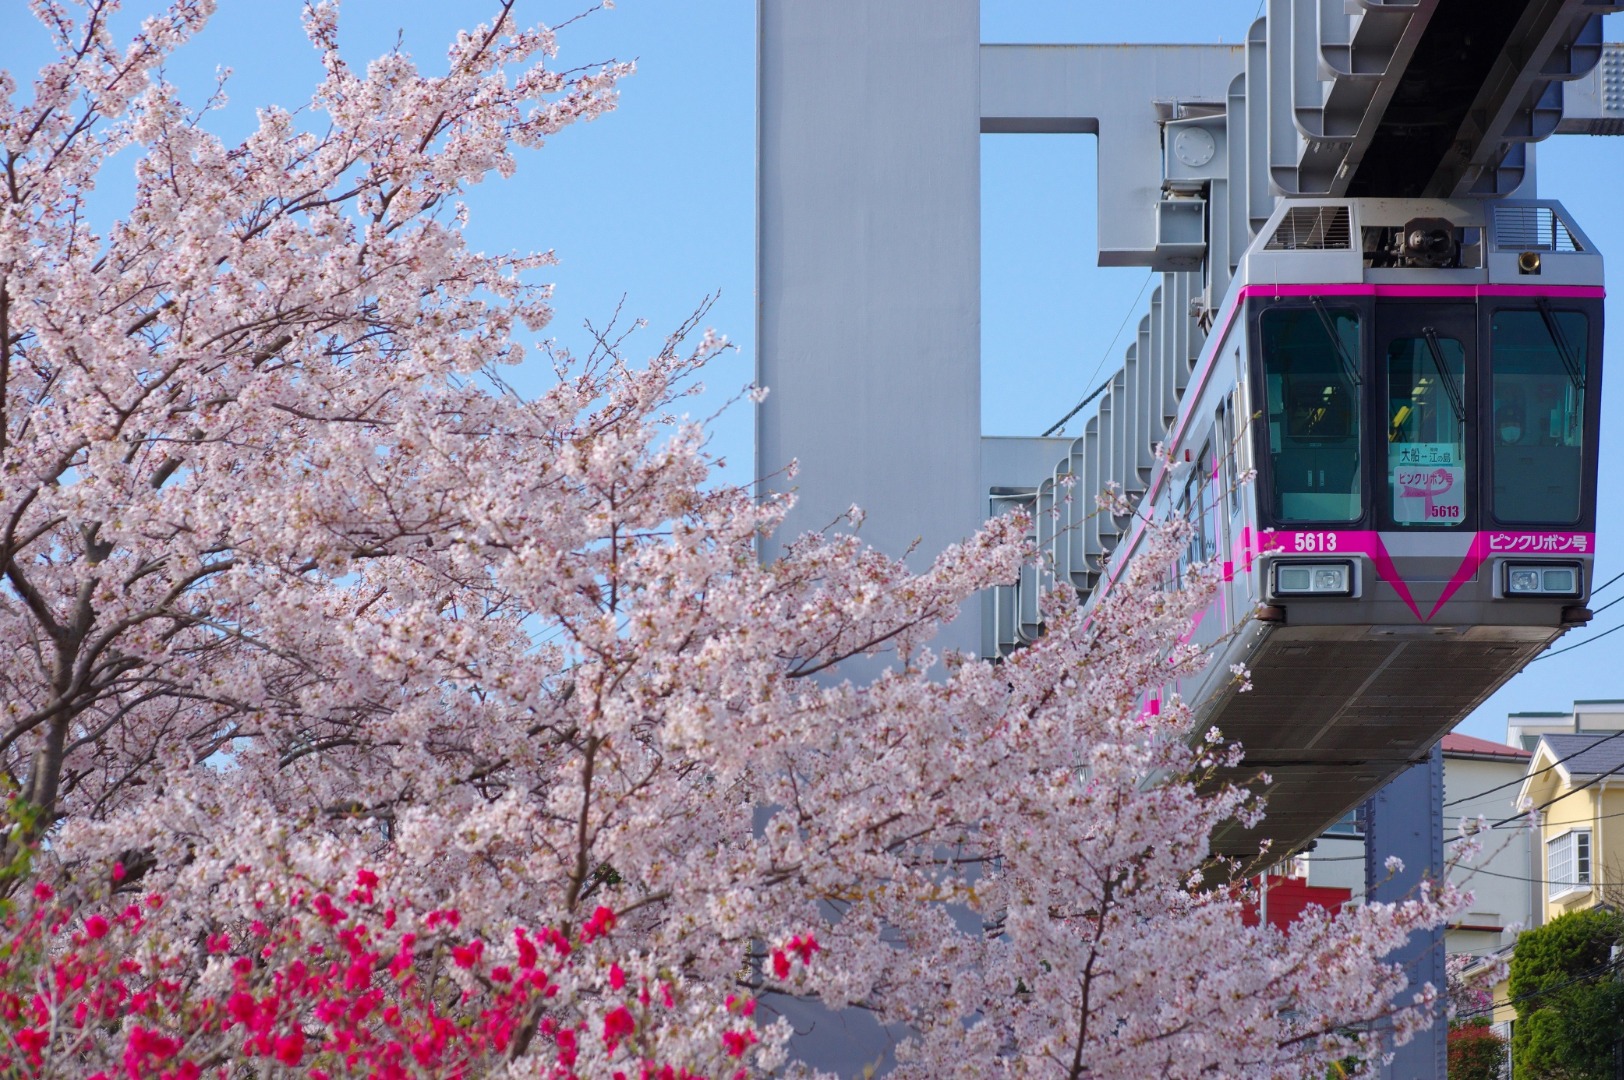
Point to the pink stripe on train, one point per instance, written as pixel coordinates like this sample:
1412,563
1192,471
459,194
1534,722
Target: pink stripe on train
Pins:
1369,543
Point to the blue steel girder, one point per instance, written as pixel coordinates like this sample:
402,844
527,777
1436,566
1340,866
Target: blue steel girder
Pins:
1405,819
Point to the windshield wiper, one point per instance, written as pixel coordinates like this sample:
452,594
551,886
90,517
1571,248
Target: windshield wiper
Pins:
1348,366
1576,371
1444,377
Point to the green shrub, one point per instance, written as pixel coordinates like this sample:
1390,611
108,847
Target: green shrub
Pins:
1569,1001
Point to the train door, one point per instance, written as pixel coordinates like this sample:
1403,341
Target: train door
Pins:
1426,389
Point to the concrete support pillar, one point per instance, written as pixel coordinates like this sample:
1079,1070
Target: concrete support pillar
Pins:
868,272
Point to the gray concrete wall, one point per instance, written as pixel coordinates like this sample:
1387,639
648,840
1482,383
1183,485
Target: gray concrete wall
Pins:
1111,91
869,267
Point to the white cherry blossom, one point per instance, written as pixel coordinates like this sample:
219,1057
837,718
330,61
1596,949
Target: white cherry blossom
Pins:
291,580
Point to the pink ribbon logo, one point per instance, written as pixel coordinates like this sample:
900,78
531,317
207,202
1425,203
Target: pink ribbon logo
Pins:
1431,486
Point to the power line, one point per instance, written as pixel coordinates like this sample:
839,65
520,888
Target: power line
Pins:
1517,818
1582,644
1593,614
1610,580
1520,817
1593,817
1467,870
1587,976
1522,779
1060,423
1516,824
1453,834
1598,778
1133,307
1607,605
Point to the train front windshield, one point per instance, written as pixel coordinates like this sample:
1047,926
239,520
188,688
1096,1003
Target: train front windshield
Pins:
1311,360
1539,362
1425,376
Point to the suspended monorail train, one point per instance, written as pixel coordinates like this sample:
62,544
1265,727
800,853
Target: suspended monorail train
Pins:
1416,386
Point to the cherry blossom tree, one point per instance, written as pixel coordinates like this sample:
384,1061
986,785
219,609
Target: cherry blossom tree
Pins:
296,586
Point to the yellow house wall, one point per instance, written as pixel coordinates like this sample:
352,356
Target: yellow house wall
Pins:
1599,808
1609,870
1504,1011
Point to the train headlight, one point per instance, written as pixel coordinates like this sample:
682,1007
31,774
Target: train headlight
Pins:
1542,579
1313,579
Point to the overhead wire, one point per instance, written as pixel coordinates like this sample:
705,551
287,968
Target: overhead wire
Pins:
1607,605
1586,976
1609,581
1598,611
1582,644
1519,824
1522,779
1453,833
1467,870
1521,818
1514,783
1590,975
1470,870
1060,424
1598,778
1133,307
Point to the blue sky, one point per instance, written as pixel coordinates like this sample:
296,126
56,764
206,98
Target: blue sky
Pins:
656,203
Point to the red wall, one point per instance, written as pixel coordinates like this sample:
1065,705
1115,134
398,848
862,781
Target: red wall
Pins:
1289,896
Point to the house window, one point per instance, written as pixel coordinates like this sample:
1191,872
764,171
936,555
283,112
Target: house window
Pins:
1567,861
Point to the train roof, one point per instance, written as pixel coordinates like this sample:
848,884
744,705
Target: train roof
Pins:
1352,241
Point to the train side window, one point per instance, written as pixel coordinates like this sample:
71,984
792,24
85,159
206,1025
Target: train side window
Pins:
1239,447
1240,432
1194,504
1228,474
1426,429
1538,362
1211,505
1187,556
1310,360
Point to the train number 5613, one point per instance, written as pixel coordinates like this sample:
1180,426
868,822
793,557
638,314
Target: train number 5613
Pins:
1314,541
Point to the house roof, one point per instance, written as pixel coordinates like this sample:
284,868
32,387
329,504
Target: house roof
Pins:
1587,754
1457,745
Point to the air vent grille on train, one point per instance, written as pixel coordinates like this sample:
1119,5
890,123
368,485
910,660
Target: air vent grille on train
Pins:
1531,228
1313,228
